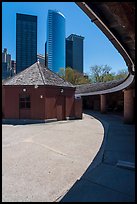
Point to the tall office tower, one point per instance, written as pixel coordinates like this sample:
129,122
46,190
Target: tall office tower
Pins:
13,67
41,59
55,46
46,55
26,41
6,64
6,58
74,52
5,72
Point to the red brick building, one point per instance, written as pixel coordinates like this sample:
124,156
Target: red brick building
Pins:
38,93
117,96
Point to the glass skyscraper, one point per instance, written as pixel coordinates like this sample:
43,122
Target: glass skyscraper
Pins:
6,64
55,46
74,52
26,41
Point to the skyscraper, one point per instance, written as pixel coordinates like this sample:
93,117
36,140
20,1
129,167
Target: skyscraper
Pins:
55,46
6,58
74,52
6,64
13,66
41,59
26,41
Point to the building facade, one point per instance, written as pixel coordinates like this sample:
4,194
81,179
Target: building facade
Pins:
13,67
74,52
6,58
41,59
38,93
55,46
6,64
5,71
26,41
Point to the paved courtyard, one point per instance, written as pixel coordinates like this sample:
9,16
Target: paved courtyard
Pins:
41,162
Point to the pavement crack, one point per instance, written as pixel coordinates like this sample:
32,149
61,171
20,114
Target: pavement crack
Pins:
45,146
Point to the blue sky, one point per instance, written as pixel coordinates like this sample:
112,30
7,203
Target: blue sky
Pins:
98,50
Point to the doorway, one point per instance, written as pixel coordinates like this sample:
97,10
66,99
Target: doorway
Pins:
24,106
61,110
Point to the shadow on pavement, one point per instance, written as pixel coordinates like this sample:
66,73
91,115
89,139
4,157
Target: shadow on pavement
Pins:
104,180
25,121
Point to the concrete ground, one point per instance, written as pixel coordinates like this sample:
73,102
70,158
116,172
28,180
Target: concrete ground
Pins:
111,175
41,162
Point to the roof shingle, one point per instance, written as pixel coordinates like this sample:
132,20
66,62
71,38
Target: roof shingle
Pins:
37,74
100,86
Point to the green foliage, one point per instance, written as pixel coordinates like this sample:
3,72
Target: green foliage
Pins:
69,75
109,77
121,74
73,76
98,74
102,74
61,72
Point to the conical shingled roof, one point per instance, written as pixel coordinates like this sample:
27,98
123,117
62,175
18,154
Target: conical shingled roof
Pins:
37,74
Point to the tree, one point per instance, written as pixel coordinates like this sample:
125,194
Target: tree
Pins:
121,74
101,73
73,76
69,75
109,77
98,74
61,72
